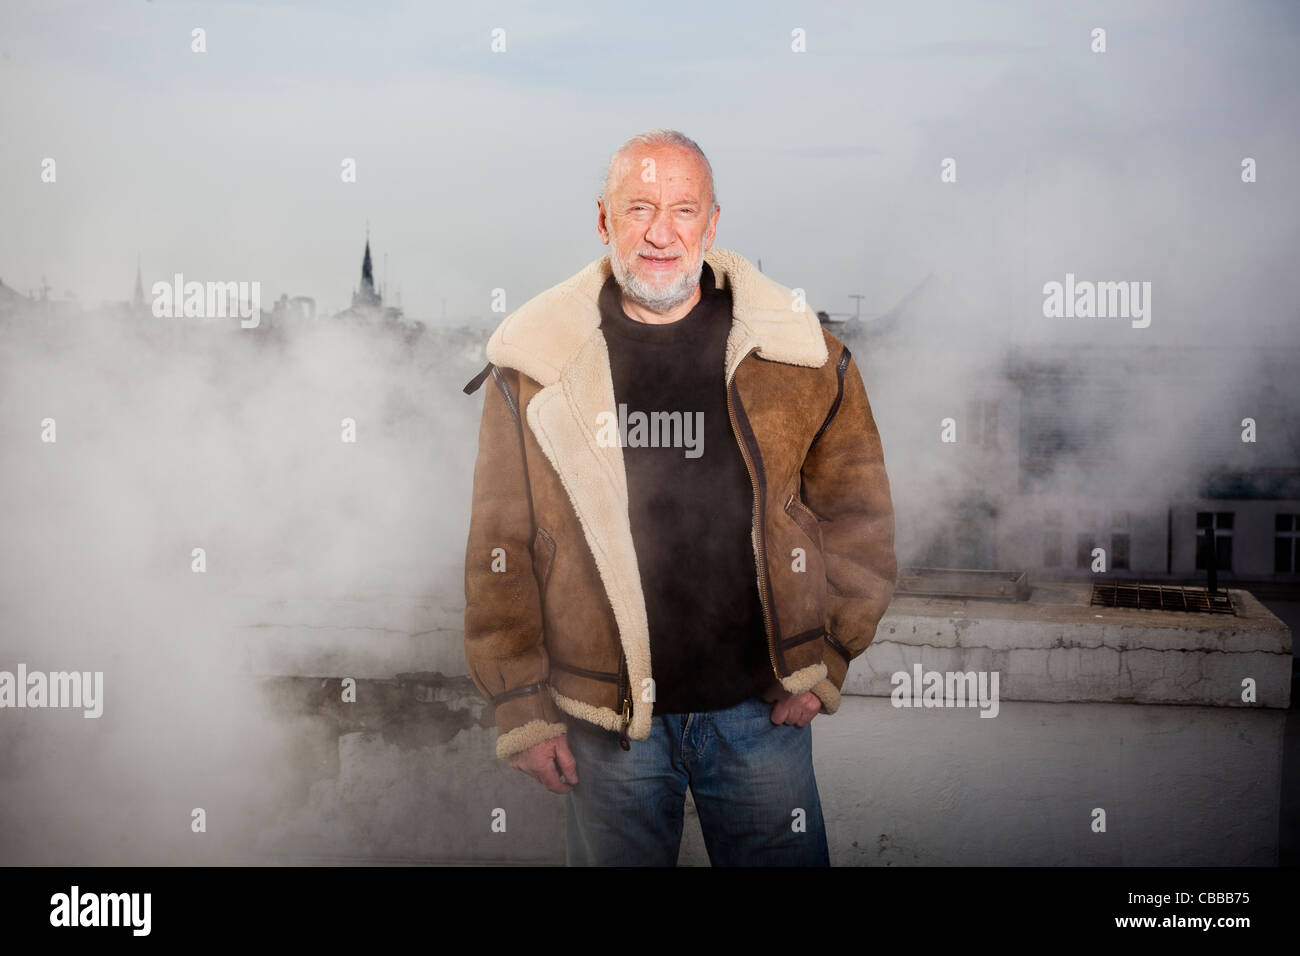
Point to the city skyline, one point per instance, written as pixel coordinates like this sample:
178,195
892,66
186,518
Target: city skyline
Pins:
230,163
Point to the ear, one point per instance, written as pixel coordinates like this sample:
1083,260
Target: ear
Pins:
602,222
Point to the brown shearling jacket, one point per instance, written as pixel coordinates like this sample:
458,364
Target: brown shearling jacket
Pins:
555,617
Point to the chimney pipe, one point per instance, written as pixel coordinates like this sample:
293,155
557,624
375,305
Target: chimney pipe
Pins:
1211,561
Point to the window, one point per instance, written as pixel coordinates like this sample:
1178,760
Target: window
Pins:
1052,549
1083,550
1221,522
1119,550
1119,540
1052,539
1105,529
1286,536
990,430
982,423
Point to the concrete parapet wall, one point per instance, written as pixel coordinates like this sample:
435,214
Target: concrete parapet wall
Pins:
1065,650
407,773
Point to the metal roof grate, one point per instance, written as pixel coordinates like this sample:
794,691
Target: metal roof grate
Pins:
1163,597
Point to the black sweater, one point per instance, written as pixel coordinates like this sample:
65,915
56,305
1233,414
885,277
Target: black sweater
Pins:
690,504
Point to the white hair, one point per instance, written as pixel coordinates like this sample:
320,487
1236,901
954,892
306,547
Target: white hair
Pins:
659,137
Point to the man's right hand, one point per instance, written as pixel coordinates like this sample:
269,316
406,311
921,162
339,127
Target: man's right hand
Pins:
546,761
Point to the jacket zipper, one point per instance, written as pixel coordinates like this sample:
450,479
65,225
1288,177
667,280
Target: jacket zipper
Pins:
758,524
625,694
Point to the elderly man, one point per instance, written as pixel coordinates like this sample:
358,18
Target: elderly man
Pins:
681,533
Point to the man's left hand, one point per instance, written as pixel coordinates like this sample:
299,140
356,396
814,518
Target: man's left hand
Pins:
794,709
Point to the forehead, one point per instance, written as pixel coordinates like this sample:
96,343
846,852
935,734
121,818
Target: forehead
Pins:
675,167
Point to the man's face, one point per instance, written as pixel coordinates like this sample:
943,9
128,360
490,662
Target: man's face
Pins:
658,219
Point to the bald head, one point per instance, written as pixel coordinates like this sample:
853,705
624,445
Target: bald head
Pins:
656,139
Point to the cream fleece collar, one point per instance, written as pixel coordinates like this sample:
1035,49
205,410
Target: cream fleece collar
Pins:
546,332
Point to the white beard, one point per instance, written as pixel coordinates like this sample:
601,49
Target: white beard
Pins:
654,299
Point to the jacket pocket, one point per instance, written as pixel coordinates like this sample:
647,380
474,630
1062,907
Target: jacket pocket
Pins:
808,522
803,616
543,558
560,665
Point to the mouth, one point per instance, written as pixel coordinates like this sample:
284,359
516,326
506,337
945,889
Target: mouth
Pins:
658,262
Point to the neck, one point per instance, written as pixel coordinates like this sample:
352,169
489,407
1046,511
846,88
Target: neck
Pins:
640,313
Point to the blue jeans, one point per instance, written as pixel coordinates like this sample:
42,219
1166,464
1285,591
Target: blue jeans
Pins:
748,777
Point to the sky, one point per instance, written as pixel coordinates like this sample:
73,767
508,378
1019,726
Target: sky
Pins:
479,170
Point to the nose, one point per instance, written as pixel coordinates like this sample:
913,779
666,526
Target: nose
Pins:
660,230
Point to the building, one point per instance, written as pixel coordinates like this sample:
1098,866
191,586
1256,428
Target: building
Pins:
1069,460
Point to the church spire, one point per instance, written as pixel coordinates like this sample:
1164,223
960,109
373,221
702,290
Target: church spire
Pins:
137,299
366,295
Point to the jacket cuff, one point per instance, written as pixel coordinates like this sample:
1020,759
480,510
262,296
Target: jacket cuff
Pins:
525,721
837,668
530,734
828,694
